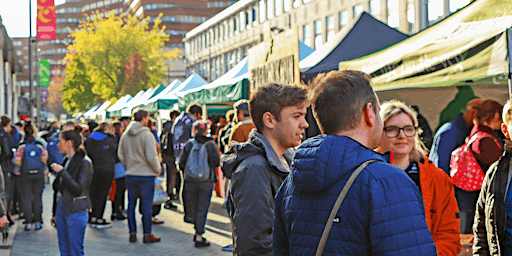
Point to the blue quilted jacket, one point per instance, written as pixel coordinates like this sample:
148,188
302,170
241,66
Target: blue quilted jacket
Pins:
382,213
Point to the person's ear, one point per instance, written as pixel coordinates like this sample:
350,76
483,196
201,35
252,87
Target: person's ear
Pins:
268,120
369,115
504,130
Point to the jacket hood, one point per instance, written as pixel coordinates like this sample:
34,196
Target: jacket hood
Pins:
135,128
98,136
202,139
323,160
256,144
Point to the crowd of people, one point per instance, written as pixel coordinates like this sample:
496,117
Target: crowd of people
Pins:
374,182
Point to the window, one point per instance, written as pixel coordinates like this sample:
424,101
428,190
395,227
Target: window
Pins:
234,25
435,10
306,36
278,6
247,19
357,10
262,11
286,5
411,15
343,18
254,15
393,16
329,28
19,53
458,4
318,34
270,12
296,3
241,19
306,1
375,7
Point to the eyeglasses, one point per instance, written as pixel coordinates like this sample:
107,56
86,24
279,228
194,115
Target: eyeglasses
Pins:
393,131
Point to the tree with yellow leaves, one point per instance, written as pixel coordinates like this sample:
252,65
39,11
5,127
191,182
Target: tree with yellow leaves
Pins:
118,55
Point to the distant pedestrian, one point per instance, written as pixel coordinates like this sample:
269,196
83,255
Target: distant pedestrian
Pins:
200,191
72,187
101,147
137,151
7,149
244,125
118,205
382,213
30,162
258,167
173,179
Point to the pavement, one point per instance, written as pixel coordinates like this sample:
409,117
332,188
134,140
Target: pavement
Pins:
175,233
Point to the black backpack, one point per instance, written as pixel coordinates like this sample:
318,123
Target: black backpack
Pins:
166,144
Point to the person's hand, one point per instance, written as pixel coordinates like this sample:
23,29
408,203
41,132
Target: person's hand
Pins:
56,167
3,221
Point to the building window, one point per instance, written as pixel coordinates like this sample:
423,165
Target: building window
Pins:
318,34
270,12
247,19
262,11
306,36
411,15
306,1
375,7
286,5
357,10
343,18
393,16
296,3
254,16
234,25
435,10
329,27
241,18
458,4
278,7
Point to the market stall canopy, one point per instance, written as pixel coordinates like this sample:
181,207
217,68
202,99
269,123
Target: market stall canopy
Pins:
127,110
88,113
100,111
118,105
230,87
467,48
155,92
117,111
362,37
173,85
167,101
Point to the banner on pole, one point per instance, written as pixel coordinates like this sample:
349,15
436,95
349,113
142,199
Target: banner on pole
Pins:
44,95
46,20
44,73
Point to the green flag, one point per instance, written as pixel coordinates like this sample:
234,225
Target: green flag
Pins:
44,73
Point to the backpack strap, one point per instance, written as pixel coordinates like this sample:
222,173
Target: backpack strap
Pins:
341,197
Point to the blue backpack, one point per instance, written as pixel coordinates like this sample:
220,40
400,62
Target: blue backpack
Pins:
197,168
32,158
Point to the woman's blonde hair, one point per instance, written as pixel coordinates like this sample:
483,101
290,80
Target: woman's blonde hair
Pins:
392,108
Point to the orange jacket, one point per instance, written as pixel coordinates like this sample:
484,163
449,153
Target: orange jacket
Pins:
441,208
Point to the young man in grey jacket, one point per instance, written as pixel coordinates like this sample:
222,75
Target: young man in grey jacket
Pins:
137,151
258,167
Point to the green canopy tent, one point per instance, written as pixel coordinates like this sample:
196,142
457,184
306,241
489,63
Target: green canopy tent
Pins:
156,102
118,110
118,105
468,48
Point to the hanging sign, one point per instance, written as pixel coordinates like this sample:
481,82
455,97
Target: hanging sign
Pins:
46,20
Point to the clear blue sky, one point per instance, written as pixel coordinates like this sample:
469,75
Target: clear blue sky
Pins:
14,15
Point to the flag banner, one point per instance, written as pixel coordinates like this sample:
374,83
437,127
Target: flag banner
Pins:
44,73
46,20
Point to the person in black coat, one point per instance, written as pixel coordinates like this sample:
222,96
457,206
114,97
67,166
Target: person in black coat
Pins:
72,187
102,149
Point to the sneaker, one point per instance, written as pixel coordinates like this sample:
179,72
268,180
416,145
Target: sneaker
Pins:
227,248
202,243
103,224
151,239
93,224
133,238
28,227
37,226
170,206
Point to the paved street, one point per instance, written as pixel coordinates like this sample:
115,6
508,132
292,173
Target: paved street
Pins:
176,235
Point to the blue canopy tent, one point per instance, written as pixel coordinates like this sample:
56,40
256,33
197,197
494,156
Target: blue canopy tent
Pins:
365,36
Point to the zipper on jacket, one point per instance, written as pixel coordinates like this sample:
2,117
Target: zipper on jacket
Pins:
80,197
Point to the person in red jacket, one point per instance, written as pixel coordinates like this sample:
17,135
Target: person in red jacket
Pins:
401,137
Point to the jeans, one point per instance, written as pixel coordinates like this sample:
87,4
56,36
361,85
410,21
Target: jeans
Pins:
199,195
466,200
142,187
100,186
71,230
31,190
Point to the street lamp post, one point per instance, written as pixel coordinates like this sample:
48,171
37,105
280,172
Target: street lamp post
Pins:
31,113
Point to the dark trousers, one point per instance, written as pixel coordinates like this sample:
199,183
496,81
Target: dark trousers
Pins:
143,188
9,180
118,203
170,170
466,200
188,208
199,195
100,186
31,189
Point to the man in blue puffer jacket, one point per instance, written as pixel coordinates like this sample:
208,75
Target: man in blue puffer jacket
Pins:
382,213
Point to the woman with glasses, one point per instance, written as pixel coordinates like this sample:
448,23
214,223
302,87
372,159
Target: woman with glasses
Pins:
401,137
